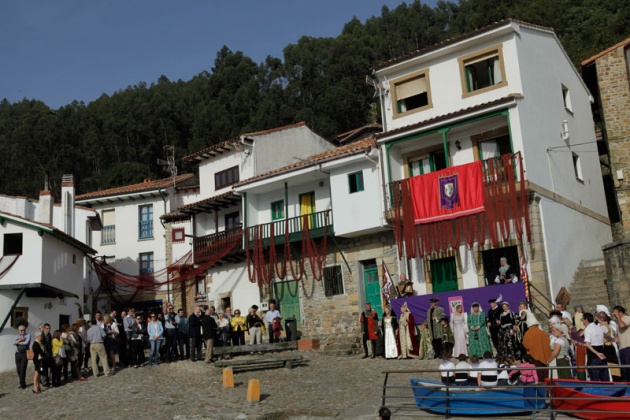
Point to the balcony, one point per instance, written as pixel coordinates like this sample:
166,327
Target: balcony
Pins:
207,246
319,223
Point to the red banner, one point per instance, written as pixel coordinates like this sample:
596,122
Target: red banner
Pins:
446,194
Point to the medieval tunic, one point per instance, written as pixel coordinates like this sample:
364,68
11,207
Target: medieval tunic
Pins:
425,350
407,335
369,323
435,326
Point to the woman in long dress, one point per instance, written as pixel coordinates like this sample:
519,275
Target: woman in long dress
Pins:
459,325
559,353
508,340
390,325
478,341
407,334
425,350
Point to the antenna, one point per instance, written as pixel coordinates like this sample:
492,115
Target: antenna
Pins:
169,163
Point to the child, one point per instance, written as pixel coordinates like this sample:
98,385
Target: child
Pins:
472,376
462,378
528,376
503,372
446,368
487,378
425,348
512,378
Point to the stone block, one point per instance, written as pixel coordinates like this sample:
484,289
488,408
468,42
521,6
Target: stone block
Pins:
309,344
253,391
228,377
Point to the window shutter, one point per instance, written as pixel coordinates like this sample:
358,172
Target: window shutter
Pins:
482,57
411,88
109,218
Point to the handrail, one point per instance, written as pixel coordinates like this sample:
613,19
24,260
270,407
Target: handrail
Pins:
472,395
533,298
207,245
315,220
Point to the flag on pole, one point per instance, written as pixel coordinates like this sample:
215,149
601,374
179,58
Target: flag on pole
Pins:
387,282
525,276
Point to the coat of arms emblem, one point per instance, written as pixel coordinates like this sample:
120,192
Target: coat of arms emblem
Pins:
449,191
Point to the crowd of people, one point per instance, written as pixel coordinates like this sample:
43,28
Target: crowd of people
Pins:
117,342
504,340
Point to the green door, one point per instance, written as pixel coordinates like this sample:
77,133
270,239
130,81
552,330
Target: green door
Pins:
372,286
288,296
444,275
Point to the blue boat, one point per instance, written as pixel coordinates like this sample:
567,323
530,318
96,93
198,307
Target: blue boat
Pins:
473,401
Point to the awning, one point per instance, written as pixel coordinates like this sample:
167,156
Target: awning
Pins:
37,290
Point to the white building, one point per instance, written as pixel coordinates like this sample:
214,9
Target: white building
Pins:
133,237
42,262
505,89
217,217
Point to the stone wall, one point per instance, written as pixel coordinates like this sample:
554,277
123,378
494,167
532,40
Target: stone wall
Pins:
614,90
617,259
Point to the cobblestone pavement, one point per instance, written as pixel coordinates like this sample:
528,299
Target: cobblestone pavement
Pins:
324,386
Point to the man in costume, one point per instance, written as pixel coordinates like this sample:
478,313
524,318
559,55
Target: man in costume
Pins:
405,286
369,323
435,314
536,344
494,322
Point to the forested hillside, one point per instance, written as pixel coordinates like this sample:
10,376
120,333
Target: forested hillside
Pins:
117,139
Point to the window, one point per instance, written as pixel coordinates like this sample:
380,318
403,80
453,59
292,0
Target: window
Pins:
146,262
577,166
411,93
232,221
355,182
19,316
226,178
566,97
277,210
333,281
145,224
200,291
108,234
12,244
424,164
179,235
482,71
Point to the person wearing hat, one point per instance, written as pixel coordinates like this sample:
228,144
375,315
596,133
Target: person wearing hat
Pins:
254,325
434,315
509,342
494,322
537,344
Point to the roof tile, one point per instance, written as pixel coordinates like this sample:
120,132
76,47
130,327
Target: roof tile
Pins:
146,185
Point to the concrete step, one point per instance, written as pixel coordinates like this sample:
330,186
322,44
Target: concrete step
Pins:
593,263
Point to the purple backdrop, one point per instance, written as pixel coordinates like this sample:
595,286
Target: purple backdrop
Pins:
512,293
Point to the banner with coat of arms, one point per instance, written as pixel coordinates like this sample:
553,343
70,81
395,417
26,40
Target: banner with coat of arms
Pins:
446,194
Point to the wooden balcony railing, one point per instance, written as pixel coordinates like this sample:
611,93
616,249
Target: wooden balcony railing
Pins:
206,246
296,225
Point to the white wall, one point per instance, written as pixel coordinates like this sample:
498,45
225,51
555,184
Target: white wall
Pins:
233,279
359,211
540,117
62,265
28,267
445,79
40,310
208,167
567,245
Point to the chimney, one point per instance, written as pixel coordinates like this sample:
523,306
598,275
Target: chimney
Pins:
45,207
67,203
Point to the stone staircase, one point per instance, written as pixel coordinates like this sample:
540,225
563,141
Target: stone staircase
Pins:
589,286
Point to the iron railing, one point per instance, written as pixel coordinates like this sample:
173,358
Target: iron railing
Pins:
206,246
446,400
295,225
108,234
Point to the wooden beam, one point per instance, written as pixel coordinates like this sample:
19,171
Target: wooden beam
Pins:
267,347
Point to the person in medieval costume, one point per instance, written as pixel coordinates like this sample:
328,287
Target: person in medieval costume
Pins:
478,341
390,329
509,342
369,323
425,348
434,315
506,273
407,334
448,338
277,328
494,321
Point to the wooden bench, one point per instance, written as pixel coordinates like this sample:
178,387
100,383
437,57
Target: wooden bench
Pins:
260,363
256,348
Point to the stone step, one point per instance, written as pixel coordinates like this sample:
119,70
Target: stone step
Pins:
593,263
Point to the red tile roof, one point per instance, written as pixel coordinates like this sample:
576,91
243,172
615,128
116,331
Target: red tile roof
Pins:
606,51
445,43
218,201
225,145
351,135
360,146
146,185
506,99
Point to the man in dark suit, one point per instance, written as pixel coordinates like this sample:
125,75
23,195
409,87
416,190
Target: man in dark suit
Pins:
47,344
494,322
194,332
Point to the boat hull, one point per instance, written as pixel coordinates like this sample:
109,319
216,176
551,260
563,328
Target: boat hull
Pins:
581,399
473,401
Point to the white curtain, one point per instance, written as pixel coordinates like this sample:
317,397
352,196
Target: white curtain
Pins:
489,149
498,77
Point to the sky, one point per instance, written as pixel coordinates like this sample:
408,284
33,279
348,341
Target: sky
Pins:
64,50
